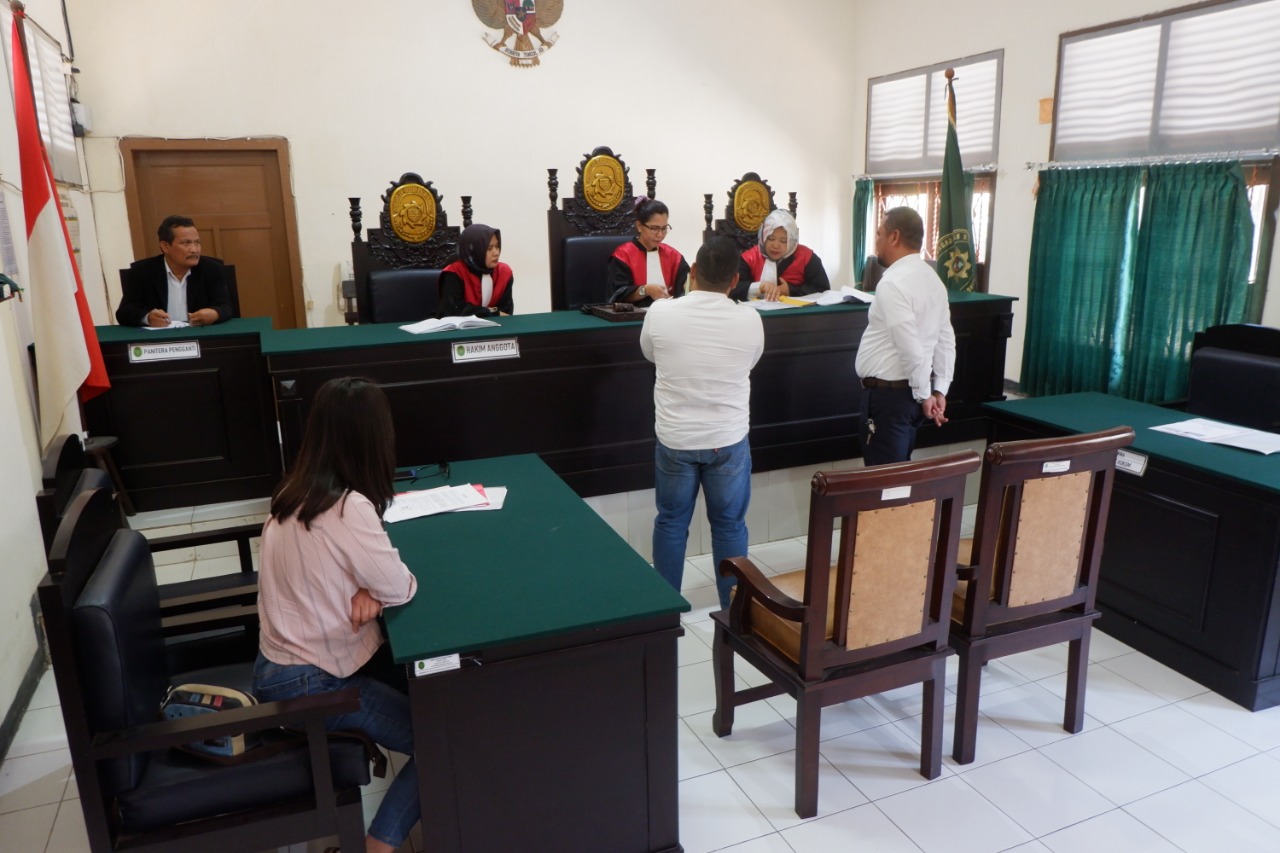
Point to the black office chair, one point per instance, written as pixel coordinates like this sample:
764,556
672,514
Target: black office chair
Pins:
93,517
136,790
586,266
872,273
403,296
233,289
66,474
1236,387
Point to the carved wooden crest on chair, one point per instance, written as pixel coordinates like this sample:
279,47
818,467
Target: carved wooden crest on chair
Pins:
414,233
751,199
602,206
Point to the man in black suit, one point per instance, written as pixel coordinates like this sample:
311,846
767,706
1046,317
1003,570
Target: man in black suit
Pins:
177,284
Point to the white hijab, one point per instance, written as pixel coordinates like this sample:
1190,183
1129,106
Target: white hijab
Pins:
780,219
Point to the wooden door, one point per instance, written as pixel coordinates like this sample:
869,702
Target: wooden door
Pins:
238,193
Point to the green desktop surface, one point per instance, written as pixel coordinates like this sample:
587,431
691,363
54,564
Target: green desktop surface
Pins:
544,564
288,341
137,334
1089,412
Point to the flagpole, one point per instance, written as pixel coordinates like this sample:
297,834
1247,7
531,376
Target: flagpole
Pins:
19,10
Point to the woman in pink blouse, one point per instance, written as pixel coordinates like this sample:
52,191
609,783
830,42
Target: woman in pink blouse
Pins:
327,570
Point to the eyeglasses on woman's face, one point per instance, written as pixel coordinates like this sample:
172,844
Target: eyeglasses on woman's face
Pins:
657,230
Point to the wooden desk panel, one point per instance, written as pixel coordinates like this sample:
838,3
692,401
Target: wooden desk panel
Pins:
581,393
1192,555
191,431
559,730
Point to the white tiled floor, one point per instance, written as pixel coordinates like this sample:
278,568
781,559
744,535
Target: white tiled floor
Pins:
1162,764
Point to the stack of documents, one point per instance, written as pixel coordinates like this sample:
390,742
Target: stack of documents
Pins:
844,294
825,297
408,505
1216,432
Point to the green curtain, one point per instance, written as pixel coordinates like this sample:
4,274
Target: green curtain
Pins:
863,193
1082,249
1191,272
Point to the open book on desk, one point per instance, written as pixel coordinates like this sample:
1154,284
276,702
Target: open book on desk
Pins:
447,324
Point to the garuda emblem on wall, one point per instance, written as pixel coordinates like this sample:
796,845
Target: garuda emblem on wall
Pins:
523,19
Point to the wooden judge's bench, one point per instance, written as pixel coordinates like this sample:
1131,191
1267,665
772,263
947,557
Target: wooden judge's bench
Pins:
216,421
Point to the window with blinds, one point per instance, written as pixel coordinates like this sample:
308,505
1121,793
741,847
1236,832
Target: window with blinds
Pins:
53,99
907,116
1200,80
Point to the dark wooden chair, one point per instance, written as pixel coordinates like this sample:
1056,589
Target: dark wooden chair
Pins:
93,517
414,234
584,229
1042,514
137,792
874,621
750,201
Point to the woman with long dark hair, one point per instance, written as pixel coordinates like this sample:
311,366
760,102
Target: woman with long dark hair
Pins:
327,570
646,268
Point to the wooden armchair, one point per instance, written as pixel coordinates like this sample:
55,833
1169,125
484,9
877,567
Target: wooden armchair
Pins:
397,266
585,229
137,792
1042,513
874,621
750,201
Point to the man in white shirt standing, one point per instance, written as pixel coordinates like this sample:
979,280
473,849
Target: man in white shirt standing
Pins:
704,346
907,355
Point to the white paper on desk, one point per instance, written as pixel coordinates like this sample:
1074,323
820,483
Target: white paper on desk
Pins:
1216,432
844,294
1256,440
765,305
408,505
173,324
497,495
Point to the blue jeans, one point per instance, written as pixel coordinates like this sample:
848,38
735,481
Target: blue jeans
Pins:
725,477
896,416
383,716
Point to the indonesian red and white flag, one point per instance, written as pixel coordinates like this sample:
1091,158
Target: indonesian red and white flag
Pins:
68,357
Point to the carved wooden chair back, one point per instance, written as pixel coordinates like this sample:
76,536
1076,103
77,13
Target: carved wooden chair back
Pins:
602,204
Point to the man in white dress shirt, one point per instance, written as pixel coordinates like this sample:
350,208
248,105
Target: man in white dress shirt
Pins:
907,355
703,346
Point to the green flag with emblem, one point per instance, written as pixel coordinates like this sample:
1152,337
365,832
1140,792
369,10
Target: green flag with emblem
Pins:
955,256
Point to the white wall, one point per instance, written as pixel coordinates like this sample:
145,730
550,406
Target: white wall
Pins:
363,93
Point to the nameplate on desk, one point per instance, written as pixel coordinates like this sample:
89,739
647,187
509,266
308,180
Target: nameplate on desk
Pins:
433,666
163,352
485,350
1134,463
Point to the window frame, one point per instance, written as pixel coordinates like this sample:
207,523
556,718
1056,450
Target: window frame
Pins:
1165,19
984,181
927,72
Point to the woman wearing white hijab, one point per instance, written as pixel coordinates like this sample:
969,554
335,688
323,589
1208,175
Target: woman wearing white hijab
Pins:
778,265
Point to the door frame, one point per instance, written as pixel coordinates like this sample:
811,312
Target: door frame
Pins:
140,231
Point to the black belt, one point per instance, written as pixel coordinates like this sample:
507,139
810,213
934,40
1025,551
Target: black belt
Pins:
872,382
